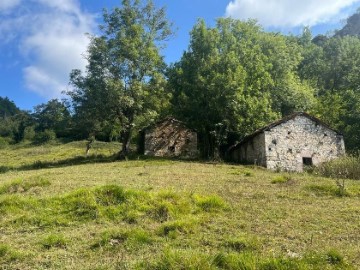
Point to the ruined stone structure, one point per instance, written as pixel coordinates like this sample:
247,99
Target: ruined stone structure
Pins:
290,144
170,138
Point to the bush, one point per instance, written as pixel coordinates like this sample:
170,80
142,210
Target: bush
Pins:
347,167
45,136
29,133
327,190
3,142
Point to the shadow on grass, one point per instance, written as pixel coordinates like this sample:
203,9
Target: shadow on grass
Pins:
80,160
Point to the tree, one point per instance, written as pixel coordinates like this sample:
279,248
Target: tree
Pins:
52,115
7,107
124,69
233,79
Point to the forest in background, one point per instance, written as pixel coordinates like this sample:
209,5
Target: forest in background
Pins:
233,79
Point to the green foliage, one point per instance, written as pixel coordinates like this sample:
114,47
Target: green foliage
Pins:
4,142
54,116
327,190
7,108
123,83
45,136
347,167
235,78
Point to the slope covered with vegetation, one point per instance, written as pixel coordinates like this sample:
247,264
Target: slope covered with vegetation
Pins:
60,210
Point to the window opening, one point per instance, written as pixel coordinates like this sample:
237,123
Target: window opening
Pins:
307,161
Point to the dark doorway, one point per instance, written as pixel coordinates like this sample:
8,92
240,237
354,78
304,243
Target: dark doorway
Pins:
307,161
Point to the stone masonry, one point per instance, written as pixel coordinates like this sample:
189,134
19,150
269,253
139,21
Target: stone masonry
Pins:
170,138
290,144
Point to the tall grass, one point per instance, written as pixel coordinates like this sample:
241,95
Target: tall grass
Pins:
347,167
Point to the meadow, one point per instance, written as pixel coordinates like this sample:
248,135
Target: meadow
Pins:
62,210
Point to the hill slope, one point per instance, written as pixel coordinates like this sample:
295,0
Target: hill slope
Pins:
62,211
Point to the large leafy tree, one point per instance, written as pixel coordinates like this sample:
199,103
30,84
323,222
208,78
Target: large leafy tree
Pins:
332,65
235,78
124,78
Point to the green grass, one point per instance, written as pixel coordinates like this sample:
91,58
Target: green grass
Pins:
73,212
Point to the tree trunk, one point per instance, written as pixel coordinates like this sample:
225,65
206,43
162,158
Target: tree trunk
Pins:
125,148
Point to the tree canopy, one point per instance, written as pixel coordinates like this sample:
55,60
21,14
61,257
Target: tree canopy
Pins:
235,78
125,70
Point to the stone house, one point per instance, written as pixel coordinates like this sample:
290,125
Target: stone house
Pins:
290,144
169,138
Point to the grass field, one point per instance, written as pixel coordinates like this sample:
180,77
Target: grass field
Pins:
60,210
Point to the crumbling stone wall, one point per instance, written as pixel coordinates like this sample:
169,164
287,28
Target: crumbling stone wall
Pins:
170,138
299,140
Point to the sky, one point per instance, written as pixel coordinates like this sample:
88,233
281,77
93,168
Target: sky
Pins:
41,41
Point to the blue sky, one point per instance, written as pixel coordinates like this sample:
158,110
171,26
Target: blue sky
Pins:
42,40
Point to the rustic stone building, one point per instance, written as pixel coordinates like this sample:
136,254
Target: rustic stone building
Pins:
170,138
290,144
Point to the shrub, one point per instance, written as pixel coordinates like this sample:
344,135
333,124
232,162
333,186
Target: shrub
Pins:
327,190
45,136
29,133
347,167
3,142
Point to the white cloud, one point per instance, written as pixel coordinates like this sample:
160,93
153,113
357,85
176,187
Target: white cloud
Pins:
287,13
6,5
51,38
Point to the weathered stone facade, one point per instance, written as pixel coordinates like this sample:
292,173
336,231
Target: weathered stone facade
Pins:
170,138
290,144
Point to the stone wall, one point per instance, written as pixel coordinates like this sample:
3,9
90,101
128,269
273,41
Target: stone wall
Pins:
300,140
170,138
251,152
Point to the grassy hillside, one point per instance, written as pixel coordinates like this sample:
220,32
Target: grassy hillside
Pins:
59,210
